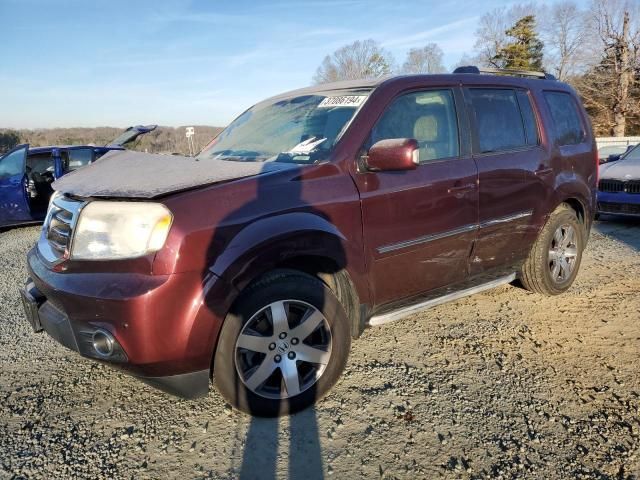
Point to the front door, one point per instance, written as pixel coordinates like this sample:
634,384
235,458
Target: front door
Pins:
14,206
419,225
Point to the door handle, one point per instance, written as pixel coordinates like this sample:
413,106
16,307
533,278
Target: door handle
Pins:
461,188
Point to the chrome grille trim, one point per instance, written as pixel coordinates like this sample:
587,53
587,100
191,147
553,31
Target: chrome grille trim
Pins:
56,238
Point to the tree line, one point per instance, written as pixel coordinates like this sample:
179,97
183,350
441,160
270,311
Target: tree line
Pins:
596,49
161,140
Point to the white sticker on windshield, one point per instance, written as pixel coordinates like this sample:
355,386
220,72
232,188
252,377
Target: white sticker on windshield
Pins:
343,101
307,146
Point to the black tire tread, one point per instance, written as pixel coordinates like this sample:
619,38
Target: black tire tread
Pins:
271,279
534,275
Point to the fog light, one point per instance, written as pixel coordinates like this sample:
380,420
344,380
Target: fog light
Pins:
103,343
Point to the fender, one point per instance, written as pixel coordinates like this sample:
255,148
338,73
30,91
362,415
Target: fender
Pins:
570,186
267,242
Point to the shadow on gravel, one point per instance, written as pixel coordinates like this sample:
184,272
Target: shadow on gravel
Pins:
623,229
260,457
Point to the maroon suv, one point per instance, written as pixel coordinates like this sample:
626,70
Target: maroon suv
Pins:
312,215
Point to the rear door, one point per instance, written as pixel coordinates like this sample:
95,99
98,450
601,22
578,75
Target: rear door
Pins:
419,225
514,175
14,207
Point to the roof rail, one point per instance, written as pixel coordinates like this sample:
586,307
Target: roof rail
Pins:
503,71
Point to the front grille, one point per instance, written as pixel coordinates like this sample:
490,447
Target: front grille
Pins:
618,186
57,231
614,186
619,208
633,186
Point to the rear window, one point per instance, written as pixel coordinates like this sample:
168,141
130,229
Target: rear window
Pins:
567,127
499,122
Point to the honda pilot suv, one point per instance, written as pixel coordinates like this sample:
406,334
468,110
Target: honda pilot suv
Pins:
314,214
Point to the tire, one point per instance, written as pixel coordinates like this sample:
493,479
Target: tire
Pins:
545,271
250,342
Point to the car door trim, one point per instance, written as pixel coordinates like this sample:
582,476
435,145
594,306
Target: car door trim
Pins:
450,233
506,218
427,238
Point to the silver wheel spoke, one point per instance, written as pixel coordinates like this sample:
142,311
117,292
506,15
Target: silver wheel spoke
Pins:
309,354
564,268
567,239
254,343
571,252
308,325
557,237
279,318
262,373
290,377
553,255
555,272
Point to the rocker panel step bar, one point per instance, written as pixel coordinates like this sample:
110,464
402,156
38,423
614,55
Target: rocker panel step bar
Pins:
419,307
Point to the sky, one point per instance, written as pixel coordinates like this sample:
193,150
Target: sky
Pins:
181,62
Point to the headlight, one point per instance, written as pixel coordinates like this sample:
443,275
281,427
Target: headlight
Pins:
115,230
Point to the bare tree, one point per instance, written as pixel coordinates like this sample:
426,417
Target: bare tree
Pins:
361,59
610,89
491,36
569,47
427,59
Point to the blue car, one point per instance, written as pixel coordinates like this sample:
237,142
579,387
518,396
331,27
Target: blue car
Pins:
619,186
26,174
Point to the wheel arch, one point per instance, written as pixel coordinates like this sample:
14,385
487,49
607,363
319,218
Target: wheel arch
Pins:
301,241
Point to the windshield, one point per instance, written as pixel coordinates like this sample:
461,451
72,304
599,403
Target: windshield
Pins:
300,129
633,155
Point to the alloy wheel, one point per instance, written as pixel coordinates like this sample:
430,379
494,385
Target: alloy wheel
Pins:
283,349
563,253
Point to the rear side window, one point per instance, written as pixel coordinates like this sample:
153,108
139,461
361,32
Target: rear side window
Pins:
567,127
498,119
76,158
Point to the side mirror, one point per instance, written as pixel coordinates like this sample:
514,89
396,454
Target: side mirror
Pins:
393,154
613,158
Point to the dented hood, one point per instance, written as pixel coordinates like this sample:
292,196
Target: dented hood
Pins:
621,170
128,174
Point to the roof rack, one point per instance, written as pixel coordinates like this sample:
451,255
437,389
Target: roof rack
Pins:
503,71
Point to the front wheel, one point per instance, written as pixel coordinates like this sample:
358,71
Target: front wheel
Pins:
283,346
555,257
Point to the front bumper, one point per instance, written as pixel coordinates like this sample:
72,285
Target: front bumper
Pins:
620,203
162,328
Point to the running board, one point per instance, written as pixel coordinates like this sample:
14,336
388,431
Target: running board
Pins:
418,307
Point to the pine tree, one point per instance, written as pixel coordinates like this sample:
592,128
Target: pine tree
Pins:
524,52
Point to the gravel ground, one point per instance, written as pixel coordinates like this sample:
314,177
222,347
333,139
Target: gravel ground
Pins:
505,384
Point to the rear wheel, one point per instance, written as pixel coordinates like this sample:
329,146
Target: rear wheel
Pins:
284,345
555,258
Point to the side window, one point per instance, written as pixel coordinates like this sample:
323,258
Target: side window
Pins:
77,158
429,117
498,120
528,117
567,127
13,163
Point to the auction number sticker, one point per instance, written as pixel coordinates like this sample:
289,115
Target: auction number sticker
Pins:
343,101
